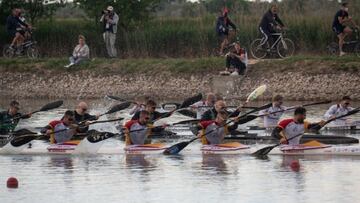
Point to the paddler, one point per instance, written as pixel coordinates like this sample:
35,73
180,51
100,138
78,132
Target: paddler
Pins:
136,131
211,114
271,119
202,106
291,127
56,129
218,127
150,107
10,118
339,109
81,115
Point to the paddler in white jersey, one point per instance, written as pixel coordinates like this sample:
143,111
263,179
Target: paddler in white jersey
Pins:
202,106
291,127
136,131
271,119
338,110
217,127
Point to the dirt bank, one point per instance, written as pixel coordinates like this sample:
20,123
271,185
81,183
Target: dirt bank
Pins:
297,78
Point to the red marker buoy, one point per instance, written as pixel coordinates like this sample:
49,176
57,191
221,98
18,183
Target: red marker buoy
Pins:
295,165
12,183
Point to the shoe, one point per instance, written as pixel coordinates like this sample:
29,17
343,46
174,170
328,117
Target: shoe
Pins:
68,66
342,53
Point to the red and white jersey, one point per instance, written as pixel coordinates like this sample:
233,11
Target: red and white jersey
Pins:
291,129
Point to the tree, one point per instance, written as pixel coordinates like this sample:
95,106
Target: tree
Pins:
129,11
34,9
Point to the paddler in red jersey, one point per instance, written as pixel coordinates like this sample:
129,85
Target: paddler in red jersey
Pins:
63,130
214,131
136,131
292,127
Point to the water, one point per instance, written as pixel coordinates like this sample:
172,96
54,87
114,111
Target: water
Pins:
183,178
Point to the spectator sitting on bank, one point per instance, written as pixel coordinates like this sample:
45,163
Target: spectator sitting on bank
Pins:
236,61
80,53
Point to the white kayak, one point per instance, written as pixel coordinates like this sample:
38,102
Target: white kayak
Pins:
228,148
89,148
156,148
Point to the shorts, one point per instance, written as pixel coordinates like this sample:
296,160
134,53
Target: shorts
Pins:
222,36
338,29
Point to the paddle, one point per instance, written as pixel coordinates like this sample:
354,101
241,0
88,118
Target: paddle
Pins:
24,139
115,98
186,103
175,149
47,107
117,108
264,151
252,117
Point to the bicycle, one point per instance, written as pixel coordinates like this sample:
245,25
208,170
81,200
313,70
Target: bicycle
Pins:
352,46
27,48
284,47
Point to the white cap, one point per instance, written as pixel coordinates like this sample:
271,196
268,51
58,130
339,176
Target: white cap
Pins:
110,8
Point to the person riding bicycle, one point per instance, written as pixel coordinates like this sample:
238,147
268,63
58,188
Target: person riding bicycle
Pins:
15,28
222,28
270,23
339,25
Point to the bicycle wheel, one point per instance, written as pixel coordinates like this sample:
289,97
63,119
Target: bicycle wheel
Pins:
285,48
257,50
357,50
8,52
32,52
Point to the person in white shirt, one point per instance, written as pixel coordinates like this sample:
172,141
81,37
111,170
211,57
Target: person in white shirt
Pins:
339,109
202,106
81,53
271,119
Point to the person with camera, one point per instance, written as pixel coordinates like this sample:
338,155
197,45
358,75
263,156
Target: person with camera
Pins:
110,20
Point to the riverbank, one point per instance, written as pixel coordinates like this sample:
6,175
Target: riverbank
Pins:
297,78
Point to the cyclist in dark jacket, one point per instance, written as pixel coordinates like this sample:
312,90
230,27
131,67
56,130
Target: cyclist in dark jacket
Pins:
223,24
339,25
270,22
14,27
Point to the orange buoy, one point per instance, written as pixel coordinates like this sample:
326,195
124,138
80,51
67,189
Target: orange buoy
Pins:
12,183
295,165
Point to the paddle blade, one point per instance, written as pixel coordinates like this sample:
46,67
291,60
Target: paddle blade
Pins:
263,151
189,101
256,93
175,149
95,136
115,98
52,105
187,112
246,119
22,140
119,107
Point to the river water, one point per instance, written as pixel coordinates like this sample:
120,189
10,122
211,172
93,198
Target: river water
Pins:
183,178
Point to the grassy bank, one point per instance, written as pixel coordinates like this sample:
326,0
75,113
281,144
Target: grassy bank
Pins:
299,63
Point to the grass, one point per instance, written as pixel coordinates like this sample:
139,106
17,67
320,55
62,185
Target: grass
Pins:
305,63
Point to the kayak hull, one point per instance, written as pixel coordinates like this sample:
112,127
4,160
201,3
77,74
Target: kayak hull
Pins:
233,148
145,149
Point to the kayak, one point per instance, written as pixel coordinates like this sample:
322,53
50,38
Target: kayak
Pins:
326,139
87,148
227,148
326,128
156,148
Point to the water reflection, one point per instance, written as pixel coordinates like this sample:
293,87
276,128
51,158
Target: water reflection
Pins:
64,162
137,161
214,162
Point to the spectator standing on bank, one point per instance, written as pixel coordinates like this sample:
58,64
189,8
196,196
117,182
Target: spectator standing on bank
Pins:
110,20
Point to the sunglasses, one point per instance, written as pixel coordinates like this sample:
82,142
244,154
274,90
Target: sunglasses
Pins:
71,119
347,103
147,118
84,109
